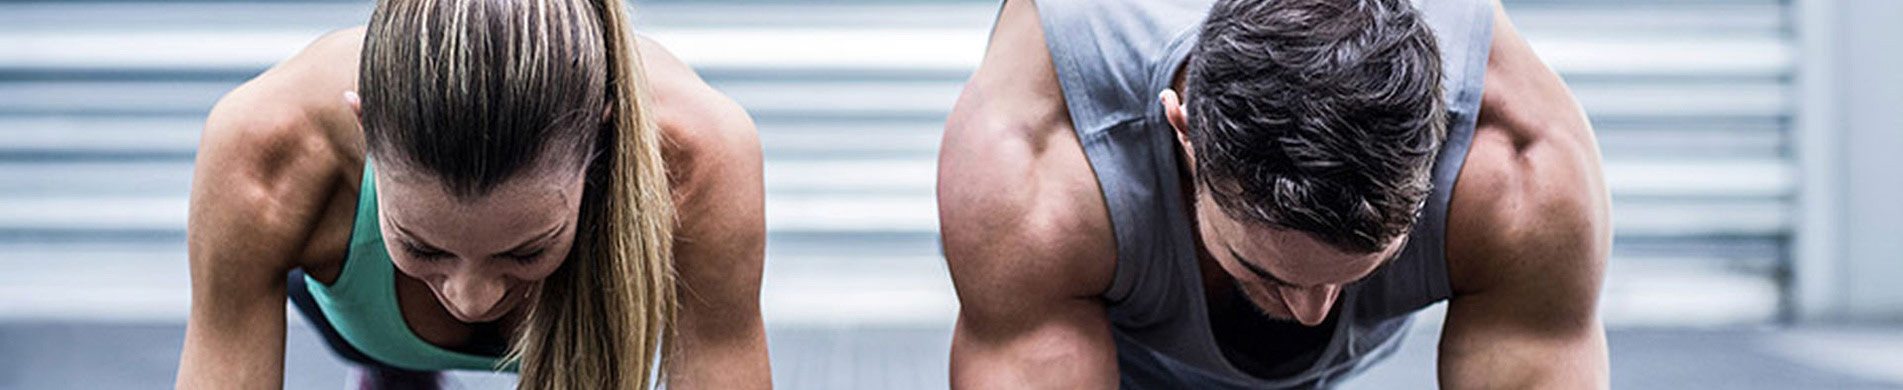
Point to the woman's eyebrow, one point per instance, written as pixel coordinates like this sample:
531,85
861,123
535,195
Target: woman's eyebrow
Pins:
536,239
412,237
419,241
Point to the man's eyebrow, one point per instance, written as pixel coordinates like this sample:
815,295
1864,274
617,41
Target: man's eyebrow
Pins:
1259,272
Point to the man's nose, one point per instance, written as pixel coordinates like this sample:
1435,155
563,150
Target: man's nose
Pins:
1310,305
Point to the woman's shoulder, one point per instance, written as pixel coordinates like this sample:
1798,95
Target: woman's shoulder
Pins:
283,144
297,106
274,155
701,124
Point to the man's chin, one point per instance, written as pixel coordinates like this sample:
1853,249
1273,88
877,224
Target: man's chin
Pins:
1262,309
1278,318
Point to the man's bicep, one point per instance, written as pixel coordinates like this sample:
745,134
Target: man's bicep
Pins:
1488,345
1028,315
1060,345
1525,312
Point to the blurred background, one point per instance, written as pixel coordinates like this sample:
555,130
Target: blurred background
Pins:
1748,144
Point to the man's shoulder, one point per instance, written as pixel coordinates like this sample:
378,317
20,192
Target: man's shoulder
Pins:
1527,206
1531,200
1019,206
1017,217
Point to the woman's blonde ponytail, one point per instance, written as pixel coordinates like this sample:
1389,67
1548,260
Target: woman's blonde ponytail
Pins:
603,321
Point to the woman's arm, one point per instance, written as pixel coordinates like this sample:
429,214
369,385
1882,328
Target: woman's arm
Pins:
266,171
713,156
257,188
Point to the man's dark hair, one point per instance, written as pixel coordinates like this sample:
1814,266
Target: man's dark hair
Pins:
1320,116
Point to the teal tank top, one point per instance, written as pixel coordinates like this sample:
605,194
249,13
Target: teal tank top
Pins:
362,305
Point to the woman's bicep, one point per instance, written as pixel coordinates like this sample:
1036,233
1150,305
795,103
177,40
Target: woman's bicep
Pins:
257,186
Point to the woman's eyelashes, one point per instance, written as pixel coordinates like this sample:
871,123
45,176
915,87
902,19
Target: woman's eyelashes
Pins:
526,256
426,253
423,253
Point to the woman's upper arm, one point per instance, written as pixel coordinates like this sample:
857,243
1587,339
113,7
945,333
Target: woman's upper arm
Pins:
258,183
720,244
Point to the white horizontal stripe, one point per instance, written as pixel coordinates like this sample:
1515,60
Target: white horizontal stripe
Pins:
1671,55
1763,178
80,213
1697,219
805,47
895,48
914,176
1667,99
99,134
851,214
832,96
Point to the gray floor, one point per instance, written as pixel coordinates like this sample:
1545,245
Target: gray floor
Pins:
68,355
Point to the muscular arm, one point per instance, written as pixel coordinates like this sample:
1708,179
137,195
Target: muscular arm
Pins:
1024,228
264,176
720,246
1029,316
1528,236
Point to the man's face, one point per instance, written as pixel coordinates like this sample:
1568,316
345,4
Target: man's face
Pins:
1286,274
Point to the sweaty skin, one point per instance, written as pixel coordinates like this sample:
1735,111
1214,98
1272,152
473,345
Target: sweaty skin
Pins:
1028,239
275,189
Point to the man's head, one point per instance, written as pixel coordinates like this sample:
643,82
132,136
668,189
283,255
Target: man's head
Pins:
1311,127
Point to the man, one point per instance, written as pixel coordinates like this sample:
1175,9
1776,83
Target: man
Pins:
1260,193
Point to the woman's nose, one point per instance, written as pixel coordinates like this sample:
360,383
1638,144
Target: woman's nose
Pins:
471,297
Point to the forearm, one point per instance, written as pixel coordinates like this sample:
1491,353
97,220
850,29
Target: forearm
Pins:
233,352
1532,364
735,361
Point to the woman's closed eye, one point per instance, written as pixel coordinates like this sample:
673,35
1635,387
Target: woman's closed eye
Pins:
424,253
526,256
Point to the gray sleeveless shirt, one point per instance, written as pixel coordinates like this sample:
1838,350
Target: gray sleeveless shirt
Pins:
1112,59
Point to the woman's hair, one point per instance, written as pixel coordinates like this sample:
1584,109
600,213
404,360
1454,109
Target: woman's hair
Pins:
476,92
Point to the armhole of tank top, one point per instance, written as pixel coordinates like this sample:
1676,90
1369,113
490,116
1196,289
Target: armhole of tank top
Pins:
364,216
1479,37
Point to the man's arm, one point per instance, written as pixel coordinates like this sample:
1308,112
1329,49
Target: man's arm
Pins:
1027,281
1528,237
1025,231
720,247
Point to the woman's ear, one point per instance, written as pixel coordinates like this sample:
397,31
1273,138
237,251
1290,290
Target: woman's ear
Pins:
355,102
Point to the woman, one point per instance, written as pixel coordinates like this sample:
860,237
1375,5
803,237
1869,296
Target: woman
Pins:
481,184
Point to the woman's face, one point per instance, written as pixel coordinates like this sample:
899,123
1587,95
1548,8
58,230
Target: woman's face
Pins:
484,255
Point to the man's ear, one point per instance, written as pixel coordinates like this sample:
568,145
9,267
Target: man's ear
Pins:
355,102
1178,116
